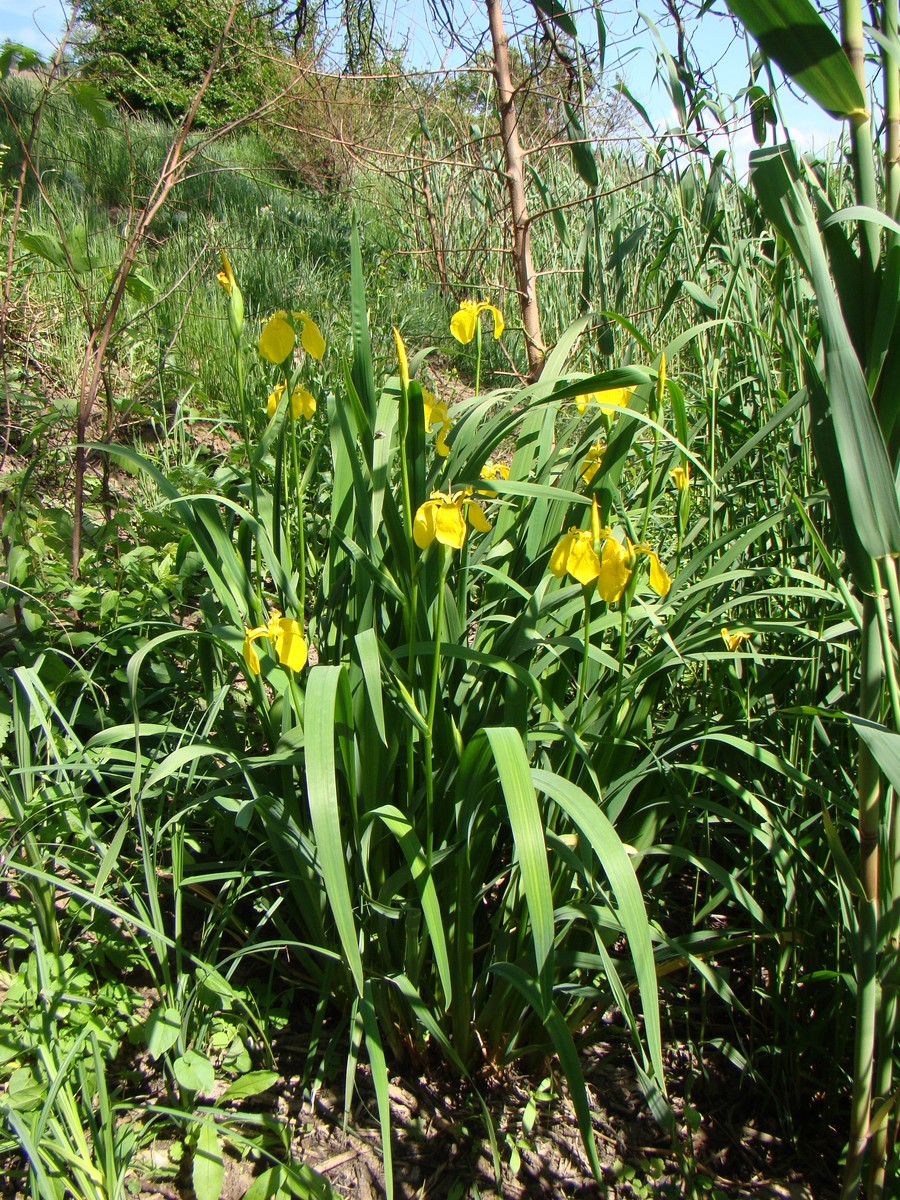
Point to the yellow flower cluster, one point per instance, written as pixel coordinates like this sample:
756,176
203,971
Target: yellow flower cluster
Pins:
576,554
490,471
286,636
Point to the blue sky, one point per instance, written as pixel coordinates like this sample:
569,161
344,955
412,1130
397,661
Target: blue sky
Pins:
631,52
36,23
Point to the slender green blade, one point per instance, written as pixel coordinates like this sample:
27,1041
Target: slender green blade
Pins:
613,857
863,458
528,834
792,34
567,1053
409,843
380,1083
325,691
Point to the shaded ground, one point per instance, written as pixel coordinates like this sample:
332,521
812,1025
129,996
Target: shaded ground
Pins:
441,1151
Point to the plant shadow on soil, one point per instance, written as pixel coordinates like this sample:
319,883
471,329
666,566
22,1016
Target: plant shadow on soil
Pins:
441,1150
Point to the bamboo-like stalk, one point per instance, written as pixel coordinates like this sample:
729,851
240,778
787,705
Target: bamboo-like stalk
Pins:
515,181
869,791
891,72
861,144
888,1010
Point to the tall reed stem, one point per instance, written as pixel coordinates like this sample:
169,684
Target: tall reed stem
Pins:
869,792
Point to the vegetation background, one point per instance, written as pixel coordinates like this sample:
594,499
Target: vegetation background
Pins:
448,664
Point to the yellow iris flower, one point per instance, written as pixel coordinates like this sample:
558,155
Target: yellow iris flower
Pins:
617,566
443,517
303,403
608,399
463,321
285,634
402,357
592,462
436,414
735,640
681,477
225,277
576,554
492,470
277,338
229,286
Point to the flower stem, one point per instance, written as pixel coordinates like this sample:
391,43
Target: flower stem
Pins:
582,675
651,487
477,357
432,709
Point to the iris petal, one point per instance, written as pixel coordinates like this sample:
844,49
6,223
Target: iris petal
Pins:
560,555
583,563
290,644
462,323
274,400
449,526
311,338
614,573
476,517
423,525
660,580
276,340
303,403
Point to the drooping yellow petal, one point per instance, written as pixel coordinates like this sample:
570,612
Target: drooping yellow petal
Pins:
449,525
311,338
251,658
499,323
574,554
476,518
462,323
303,403
436,411
289,642
660,580
423,524
274,400
592,462
581,403
560,555
614,572
402,357
583,563
276,340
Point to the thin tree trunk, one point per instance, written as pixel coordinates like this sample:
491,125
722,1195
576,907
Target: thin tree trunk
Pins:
98,341
515,181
